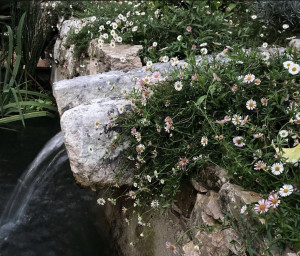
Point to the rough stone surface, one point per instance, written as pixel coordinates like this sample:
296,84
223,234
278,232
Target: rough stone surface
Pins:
88,138
295,43
218,242
207,210
65,66
73,92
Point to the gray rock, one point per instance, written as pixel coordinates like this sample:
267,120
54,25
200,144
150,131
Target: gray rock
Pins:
88,139
295,43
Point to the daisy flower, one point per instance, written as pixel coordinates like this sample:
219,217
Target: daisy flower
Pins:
277,168
156,75
285,26
154,204
249,78
253,17
188,28
298,116
286,190
236,119
132,194
133,131
262,206
112,44
251,104
258,135
149,63
234,88
154,44
283,133
165,59
140,149
227,118
204,141
273,199
138,136
257,81
243,209
100,201
178,86
171,247
203,44
265,45
259,165
264,101
238,141
121,109
294,69
179,38
203,51
287,64
122,59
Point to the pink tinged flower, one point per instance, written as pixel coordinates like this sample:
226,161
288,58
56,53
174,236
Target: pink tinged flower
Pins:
234,88
168,128
251,104
194,47
216,77
133,131
132,194
258,135
220,121
260,165
188,28
245,120
156,75
138,136
249,78
140,149
273,200
171,247
264,101
168,120
227,118
262,206
195,77
182,163
238,141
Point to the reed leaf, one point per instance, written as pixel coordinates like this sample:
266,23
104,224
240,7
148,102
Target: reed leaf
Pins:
26,116
30,103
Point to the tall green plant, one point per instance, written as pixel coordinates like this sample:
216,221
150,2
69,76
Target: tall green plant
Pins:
15,102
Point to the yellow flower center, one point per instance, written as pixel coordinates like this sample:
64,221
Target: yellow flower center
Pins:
277,168
249,78
274,201
172,248
286,190
251,104
294,69
262,207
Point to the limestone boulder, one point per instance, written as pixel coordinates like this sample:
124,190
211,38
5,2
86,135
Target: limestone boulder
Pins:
89,138
295,43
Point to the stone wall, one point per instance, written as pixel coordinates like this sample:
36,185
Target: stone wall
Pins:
94,61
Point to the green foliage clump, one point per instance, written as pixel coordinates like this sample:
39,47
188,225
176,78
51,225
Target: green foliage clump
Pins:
239,113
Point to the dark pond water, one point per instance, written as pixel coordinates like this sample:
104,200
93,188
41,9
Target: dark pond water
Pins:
51,215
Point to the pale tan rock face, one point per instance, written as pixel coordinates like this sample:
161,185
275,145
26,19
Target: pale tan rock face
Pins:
295,43
97,60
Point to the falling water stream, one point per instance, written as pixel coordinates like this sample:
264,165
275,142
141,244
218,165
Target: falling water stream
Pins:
46,213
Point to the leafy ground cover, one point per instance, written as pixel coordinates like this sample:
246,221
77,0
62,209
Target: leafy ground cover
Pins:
238,109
